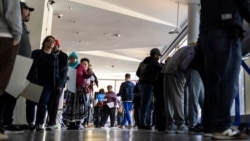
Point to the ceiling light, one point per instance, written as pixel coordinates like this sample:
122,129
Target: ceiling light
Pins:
176,30
51,2
113,35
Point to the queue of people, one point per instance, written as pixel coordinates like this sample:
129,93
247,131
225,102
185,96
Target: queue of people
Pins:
184,87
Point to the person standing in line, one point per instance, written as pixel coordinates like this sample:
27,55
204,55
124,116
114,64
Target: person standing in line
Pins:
6,100
136,106
43,72
109,107
76,111
57,93
220,40
10,36
174,82
91,82
195,93
147,72
72,63
98,114
126,92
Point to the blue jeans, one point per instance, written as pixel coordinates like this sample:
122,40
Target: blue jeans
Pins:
41,107
127,109
146,92
222,53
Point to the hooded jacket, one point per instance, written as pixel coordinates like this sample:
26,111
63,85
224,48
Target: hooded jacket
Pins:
148,70
10,19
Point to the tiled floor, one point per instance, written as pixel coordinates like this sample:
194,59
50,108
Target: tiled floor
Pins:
94,134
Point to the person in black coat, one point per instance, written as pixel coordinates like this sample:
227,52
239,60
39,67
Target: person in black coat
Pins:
43,72
220,39
57,93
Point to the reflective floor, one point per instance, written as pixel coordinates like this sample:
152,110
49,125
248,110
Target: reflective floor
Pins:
97,134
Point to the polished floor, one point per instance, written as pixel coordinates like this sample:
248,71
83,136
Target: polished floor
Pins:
97,134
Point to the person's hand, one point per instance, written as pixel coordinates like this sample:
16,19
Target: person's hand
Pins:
15,42
59,89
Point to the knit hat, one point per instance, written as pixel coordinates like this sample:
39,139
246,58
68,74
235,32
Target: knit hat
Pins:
73,55
57,43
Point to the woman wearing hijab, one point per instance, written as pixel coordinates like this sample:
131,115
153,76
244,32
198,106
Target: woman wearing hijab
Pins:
76,111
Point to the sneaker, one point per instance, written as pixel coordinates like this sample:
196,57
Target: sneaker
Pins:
195,130
39,127
182,129
112,127
31,126
80,127
12,129
122,127
129,126
170,129
3,136
51,127
231,133
207,134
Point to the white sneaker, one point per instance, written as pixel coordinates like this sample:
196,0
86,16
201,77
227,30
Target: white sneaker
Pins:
182,129
170,129
231,133
39,127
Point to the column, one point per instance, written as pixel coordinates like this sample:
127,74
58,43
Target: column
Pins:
193,22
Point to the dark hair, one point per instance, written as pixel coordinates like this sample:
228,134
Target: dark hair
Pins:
101,91
127,75
85,59
109,86
46,38
155,51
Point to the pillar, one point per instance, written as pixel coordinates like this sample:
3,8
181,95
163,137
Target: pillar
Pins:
193,22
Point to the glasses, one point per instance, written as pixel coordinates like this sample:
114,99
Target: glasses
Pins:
50,40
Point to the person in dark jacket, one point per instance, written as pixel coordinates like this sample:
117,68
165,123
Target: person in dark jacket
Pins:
8,102
44,72
126,92
147,72
220,40
57,93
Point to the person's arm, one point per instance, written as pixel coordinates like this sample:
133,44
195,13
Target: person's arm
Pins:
138,72
120,90
13,16
63,69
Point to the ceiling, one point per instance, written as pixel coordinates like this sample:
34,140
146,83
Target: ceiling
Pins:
116,34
